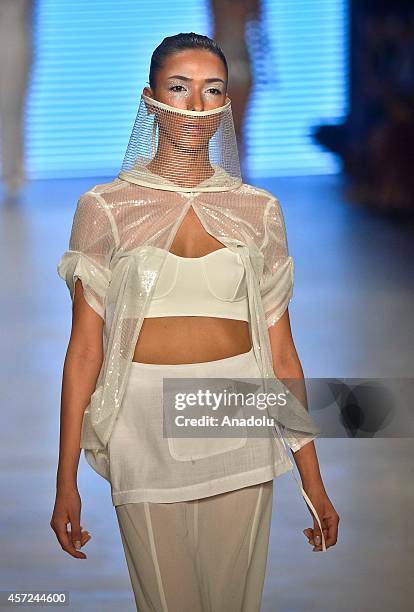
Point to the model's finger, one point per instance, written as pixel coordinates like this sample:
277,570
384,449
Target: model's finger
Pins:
309,534
66,542
317,536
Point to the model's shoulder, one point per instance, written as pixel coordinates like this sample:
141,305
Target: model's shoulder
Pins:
263,197
120,192
94,196
104,189
94,206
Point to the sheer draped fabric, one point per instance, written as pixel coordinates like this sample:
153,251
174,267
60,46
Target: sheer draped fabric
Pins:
276,284
190,543
115,227
90,248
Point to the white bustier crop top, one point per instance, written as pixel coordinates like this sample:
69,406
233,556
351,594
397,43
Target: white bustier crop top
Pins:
210,286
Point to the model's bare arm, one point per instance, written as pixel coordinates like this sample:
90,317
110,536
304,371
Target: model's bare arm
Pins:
80,372
286,365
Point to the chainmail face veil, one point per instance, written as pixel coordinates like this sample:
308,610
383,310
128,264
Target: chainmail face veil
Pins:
180,150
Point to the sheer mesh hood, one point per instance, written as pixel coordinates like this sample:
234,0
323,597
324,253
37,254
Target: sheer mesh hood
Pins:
180,150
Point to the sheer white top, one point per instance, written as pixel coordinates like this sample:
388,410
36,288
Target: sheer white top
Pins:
210,286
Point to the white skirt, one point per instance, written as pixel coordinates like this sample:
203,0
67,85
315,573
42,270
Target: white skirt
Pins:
146,466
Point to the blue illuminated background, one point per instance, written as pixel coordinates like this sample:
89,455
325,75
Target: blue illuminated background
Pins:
92,61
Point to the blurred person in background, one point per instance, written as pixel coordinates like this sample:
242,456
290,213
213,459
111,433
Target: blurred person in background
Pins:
15,66
387,70
239,29
376,143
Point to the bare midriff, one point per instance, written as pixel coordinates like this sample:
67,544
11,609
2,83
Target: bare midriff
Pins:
175,340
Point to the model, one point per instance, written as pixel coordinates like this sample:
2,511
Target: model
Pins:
178,269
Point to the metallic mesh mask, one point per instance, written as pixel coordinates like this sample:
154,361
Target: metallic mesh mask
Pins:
180,150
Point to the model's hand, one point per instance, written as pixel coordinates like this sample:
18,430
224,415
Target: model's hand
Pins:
328,517
67,511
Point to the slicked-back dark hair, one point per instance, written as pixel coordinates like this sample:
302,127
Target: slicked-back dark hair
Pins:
180,42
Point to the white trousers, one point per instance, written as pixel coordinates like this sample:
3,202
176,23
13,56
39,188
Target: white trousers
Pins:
202,555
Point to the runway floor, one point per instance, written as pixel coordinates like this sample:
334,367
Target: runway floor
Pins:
351,316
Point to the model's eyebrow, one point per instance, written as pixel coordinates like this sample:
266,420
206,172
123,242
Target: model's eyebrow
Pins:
184,78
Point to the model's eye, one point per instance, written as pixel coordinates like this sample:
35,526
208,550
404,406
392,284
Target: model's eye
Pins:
174,86
217,91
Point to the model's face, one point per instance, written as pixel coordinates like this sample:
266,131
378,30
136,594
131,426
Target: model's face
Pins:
193,79
190,80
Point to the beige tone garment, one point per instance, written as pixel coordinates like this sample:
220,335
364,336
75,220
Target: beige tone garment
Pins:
111,249
206,555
